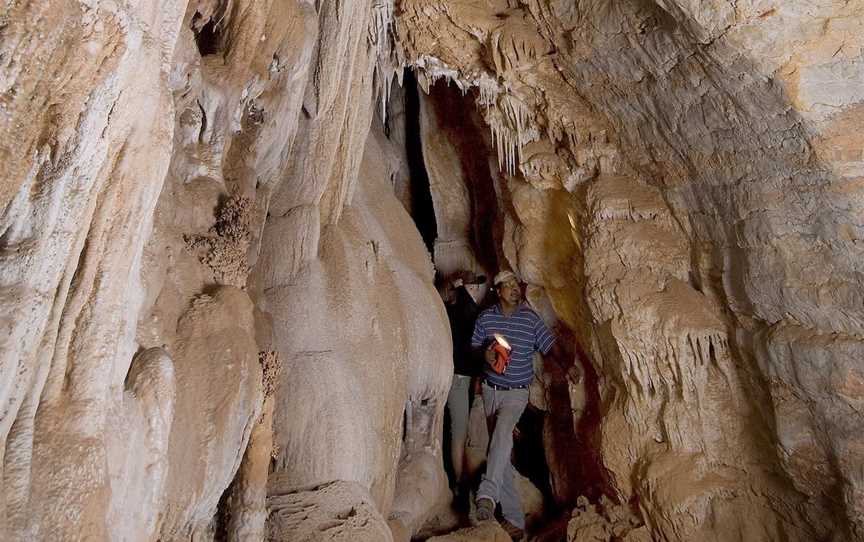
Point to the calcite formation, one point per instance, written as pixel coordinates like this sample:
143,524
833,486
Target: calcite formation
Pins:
680,193
338,511
174,175
219,318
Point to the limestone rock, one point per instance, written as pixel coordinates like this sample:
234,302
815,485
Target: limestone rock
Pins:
380,329
186,184
604,523
488,531
203,466
690,203
141,441
338,511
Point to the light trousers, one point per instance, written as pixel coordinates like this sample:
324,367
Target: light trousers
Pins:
503,410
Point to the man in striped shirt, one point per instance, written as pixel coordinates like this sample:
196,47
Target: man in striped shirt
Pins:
505,396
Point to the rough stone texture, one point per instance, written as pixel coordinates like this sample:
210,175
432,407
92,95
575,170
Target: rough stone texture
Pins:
217,348
80,181
186,184
338,511
141,148
488,531
682,175
149,403
606,522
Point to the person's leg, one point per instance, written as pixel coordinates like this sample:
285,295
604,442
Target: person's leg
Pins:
511,503
457,405
487,493
506,412
488,488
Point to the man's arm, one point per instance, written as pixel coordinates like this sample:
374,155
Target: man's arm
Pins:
550,349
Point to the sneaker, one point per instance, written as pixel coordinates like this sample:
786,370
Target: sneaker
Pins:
513,531
485,509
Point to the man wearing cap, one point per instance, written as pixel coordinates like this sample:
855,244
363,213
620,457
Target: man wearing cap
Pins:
462,298
505,395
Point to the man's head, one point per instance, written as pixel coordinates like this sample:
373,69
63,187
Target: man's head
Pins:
507,287
473,284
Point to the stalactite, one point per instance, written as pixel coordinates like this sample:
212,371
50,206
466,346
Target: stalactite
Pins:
380,37
488,90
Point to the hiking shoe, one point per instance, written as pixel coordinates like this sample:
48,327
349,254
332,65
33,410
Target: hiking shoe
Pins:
485,509
513,531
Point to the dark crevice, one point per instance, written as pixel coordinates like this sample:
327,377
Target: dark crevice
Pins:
458,117
587,459
203,129
422,208
207,39
529,454
223,514
208,32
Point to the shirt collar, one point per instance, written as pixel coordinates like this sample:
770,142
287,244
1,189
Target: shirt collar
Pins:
519,309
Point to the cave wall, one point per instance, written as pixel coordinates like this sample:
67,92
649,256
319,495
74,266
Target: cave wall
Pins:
361,329
190,193
170,172
684,200
81,179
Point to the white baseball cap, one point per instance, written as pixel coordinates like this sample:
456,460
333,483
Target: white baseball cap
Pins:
504,276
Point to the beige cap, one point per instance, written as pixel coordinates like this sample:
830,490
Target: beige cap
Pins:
503,276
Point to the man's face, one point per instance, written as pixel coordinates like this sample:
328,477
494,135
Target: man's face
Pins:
510,291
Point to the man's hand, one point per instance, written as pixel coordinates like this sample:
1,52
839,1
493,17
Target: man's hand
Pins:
575,374
489,356
558,370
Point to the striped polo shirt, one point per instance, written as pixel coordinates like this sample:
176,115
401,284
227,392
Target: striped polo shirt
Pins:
525,332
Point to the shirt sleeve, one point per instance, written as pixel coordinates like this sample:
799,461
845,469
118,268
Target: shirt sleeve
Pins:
479,333
543,338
